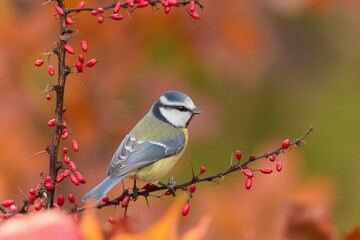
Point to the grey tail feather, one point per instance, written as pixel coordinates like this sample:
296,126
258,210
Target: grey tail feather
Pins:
97,193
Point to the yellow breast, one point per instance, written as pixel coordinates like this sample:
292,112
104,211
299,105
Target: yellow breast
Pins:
157,170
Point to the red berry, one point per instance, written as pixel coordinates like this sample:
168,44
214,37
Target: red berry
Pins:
39,62
167,9
192,188
186,209
31,199
105,199
71,198
66,173
130,3
117,7
49,185
79,177
51,122
84,46
38,206
69,21
32,191
7,203
48,97
91,62
286,144
13,208
61,200
202,169
65,134
94,12
165,3
238,155
66,159
81,4
192,6
266,170
81,58
69,49
194,14
125,201
59,10
278,166
79,66
100,19
271,158
65,150
73,166
51,70
75,145
247,172
172,2
100,10
117,16
168,192
60,178
74,180
248,183
47,179
143,3
6,216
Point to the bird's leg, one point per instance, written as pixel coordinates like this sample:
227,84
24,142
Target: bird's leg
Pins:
135,191
170,186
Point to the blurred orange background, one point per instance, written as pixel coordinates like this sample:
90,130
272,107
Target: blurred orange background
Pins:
260,71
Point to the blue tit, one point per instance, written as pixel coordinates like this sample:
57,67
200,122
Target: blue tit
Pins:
153,146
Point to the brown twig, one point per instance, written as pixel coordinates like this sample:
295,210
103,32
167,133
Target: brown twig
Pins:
196,179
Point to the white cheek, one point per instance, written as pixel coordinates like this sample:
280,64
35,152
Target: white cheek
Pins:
176,117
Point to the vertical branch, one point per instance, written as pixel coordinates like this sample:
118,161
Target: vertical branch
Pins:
59,88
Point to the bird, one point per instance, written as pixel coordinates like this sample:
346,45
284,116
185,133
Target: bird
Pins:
151,149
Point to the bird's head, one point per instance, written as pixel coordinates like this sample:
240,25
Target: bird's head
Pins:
175,108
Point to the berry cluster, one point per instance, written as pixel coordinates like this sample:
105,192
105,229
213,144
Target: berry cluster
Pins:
249,173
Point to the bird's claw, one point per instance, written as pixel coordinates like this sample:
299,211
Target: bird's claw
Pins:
170,186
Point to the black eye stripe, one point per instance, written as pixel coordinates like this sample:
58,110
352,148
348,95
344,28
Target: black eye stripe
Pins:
180,108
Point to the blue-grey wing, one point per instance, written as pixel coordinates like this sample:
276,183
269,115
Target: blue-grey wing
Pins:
133,154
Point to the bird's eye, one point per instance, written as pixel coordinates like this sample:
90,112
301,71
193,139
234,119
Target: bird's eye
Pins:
182,108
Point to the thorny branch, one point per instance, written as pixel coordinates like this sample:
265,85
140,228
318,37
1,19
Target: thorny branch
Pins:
63,71
146,192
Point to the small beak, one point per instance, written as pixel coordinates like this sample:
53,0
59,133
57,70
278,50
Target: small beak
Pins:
196,111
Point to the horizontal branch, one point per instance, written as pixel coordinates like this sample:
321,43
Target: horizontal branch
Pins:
146,192
125,5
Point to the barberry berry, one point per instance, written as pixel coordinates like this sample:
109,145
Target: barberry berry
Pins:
61,200
51,122
117,7
247,172
248,183
91,62
84,46
238,155
75,145
7,203
266,170
186,209
39,62
286,144
71,198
